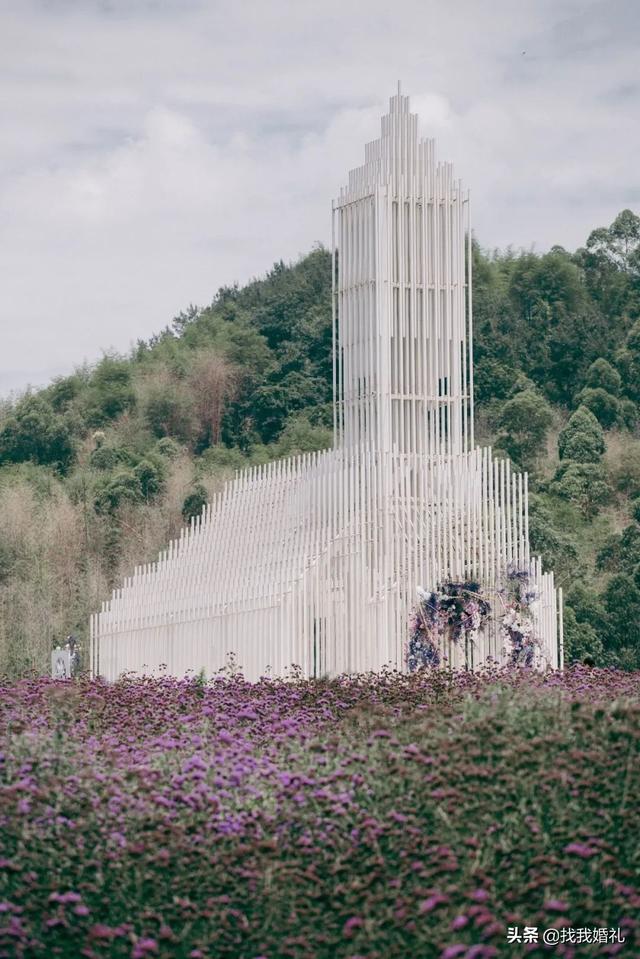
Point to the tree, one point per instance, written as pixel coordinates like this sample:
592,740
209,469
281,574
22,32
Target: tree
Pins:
556,331
122,488
214,381
582,439
150,478
628,415
603,405
587,605
110,391
602,375
618,244
167,405
492,380
556,547
194,502
34,432
621,551
104,458
622,604
523,423
583,485
611,269
301,436
628,363
580,640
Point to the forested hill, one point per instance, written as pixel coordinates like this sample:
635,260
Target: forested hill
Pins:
99,470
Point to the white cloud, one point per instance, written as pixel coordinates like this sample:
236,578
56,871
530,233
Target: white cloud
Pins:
157,150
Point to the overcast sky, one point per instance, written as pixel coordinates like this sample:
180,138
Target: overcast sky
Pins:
154,150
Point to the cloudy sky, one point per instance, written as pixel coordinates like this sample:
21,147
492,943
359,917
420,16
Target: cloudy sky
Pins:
154,150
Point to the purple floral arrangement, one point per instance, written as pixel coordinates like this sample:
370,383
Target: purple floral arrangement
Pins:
456,608
520,643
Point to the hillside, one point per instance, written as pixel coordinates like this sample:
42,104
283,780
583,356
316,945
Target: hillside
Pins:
99,470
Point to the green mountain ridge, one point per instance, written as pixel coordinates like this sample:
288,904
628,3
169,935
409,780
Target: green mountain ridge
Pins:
101,468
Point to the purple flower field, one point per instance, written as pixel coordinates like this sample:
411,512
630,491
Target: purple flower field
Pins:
383,817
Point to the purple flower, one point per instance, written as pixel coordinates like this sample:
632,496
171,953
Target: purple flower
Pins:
143,947
556,905
458,949
427,905
579,849
479,895
65,897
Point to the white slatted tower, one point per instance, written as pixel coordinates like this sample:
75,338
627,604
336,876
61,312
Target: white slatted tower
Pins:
314,560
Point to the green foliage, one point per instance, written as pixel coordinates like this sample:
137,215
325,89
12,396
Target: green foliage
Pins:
611,266
109,392
122,488
622,605
584,485
604,406
602,375
34,432
581,640
582,439
150,478
523,424
628,415
194,502
223,458
620,243
587,606
492,380
167,406
168,448
626,473
556,547
65,390
621,552
104,458
301,436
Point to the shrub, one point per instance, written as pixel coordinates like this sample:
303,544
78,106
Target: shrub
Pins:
301,436
583,485
150,478
602,375
581,640
124,487
34,432
582,439
109,392
628,415
104,458
167,405
626,472
622,603
556,548
194,502
223,457
603,405
168,448
523,423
